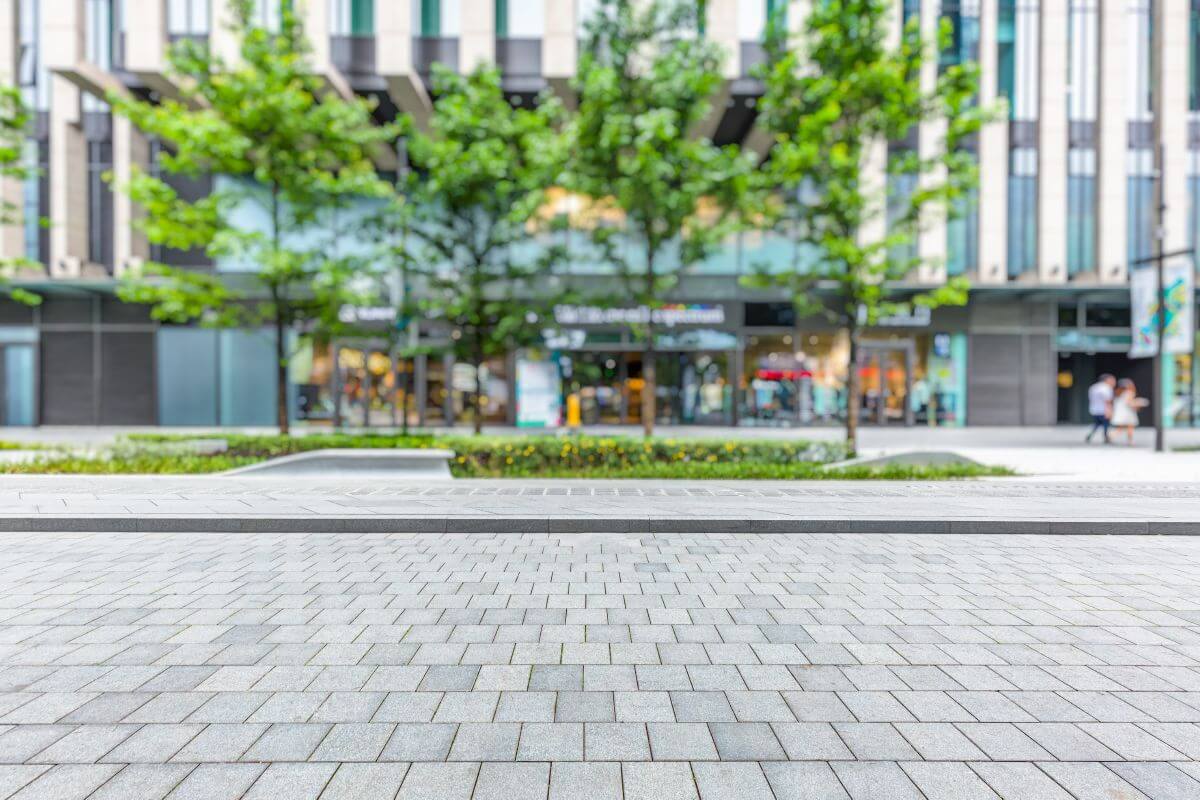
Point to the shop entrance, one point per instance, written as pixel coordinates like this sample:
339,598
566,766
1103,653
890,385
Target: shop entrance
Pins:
1078,371
885,372
371,385
693,388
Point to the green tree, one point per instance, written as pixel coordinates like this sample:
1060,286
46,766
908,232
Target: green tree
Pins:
475,203
288,154
645,78
834,94
14,128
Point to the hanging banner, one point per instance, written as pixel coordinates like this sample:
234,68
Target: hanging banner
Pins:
539,394
1179,275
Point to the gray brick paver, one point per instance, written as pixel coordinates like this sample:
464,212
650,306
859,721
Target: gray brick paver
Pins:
837,666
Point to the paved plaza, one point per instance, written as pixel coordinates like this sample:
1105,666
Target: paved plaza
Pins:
873,667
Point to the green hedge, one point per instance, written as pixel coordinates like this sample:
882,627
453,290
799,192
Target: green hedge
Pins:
516,456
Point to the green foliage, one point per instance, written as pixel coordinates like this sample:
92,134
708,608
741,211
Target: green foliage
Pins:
533,456
645,79
14,128
831,97
510,457
472,204
834,96
281,141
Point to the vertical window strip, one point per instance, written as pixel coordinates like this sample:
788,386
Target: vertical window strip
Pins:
1141,87
502,19
1083,70
431,18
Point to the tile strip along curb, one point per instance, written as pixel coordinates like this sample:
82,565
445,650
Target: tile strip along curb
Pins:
566,524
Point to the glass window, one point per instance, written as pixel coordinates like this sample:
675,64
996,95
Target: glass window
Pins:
963,16
962,236
1194,201
1141,83
441,18
1194,57
187,17
520,19
1083,65
1140,208
1022,211
900,188
752,20
353,17
267,14
1081,211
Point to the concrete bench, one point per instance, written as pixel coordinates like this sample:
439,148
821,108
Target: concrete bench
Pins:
427,464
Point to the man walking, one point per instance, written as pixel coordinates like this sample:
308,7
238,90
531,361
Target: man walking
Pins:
1100,402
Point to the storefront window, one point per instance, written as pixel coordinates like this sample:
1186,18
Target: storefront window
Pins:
794,379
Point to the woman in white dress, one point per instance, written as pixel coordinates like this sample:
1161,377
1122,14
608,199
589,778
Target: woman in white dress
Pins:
1125,408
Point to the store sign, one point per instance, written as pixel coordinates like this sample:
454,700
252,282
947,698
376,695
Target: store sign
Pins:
367,315
916,317
539,394
1143,302
667,316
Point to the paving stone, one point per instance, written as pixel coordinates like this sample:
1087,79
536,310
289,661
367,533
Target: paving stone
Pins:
681,741
810,741
439,782
1019,780
67,782
420,742
365,782
1159,781
731,781
513,782
948,781
1091,781
354,741
487,741
153,744
659,781
615,741
217,782
526,707
872,780
293,781
602,779
875,741
551,741
812,780
287,742
746,741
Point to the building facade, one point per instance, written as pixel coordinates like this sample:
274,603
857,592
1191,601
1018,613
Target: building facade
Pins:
1065,205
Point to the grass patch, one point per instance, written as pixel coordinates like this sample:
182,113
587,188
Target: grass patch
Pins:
536,456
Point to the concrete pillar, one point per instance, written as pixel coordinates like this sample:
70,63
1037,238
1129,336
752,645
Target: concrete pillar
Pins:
62,40
1112,149
221,39
560,43
477,42
146,39
12,233
130,149
1053,133
931,243
1171,34
394,57
874,167
993,160
721,27
68,181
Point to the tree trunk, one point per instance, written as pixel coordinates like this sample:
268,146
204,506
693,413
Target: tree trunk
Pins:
281,377
853,395
649,381
403,365
477,395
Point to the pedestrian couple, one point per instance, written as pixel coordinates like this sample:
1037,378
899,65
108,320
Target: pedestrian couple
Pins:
1114,404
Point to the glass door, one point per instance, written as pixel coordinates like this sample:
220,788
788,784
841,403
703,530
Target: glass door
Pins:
885,383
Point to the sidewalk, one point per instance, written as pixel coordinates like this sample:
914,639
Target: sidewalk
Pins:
217,504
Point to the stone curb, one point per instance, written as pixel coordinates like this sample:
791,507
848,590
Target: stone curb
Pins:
566,524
